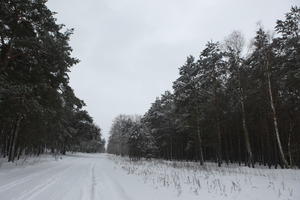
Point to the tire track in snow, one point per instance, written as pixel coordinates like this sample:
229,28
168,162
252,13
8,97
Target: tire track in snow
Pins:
36,190
115,187
25,179
94,183
32,193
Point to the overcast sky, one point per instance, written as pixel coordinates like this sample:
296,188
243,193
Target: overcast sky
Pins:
130,50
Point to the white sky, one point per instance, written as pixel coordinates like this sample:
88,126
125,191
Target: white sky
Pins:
130,50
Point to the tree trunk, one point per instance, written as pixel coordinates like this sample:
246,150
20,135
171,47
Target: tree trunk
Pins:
10,142
171,148
14,139
219,148
249,159
274,115
289,144
219,153
246,135
199,138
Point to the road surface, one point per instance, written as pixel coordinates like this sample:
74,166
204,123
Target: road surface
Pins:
78,177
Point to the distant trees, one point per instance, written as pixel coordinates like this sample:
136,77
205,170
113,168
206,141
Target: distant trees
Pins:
38,108
119,134
228,106
128,136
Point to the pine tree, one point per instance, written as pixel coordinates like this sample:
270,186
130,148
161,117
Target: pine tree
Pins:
36,102
212,77
234,46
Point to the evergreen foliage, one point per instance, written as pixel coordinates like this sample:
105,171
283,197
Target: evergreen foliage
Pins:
229,107
38,109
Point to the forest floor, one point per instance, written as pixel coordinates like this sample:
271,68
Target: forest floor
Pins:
107,177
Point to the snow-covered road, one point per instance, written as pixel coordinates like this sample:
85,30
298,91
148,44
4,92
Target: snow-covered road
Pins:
78,177
108,177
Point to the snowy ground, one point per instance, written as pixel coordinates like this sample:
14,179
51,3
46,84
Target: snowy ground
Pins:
106,177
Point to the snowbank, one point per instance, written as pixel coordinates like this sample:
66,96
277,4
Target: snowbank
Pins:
189,180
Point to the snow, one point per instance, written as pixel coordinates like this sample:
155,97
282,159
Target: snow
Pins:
107,177
189,180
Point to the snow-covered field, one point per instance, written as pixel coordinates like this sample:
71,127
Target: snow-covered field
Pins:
107,177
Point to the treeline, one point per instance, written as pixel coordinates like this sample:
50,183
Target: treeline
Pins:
227,105
129,135
38,109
